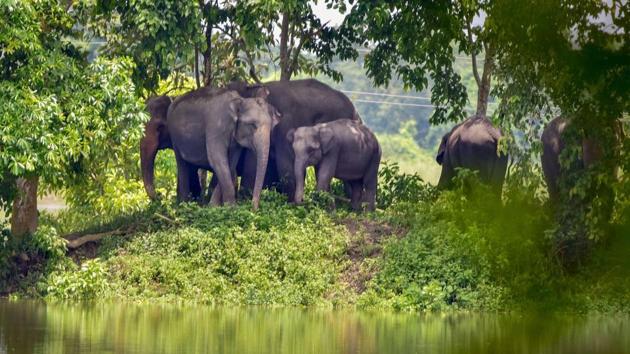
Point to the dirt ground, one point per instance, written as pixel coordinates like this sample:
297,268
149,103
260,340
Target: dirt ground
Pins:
366,245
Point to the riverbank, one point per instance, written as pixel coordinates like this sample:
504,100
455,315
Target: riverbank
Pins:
422,253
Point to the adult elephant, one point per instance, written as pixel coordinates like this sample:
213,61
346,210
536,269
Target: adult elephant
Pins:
207,129
156,137
554,143
472,144
301,103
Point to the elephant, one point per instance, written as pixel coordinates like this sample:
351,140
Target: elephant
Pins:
208,128
302,103
553,144
345,149
472,144
156,137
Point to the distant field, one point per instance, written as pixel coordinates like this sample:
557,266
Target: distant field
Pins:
50,203
409,156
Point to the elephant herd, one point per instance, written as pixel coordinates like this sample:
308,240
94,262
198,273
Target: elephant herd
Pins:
268,134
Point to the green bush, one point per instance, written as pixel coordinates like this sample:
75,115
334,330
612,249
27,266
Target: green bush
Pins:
395,187
462,252
281,254
86,283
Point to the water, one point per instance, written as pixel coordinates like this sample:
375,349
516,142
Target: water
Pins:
30,327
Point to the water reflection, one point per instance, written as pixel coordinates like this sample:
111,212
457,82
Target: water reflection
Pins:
30,327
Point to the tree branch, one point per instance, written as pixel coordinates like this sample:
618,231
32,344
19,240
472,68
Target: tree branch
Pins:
303,40
284,42
197,66
80,241
474,56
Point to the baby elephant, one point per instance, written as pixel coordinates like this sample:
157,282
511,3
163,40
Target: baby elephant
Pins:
345,149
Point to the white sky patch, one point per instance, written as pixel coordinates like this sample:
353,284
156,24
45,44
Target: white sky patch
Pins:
332,16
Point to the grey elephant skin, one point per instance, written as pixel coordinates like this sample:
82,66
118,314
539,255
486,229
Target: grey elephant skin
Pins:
345,149
207,129
157,137
554,143
301,103
472,144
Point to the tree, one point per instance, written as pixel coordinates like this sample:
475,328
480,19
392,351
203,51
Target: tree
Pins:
230,38
301,30
60,117
571,58
418,42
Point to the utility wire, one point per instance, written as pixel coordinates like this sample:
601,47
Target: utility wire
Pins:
461,57
386,95
397,103
407,104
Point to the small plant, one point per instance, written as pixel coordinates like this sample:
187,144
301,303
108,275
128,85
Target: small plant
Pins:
396,187
86,283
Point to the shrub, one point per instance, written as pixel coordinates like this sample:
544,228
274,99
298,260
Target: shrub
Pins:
395,187
85,283
462,252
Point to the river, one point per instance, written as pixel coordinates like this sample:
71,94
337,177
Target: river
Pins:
35,327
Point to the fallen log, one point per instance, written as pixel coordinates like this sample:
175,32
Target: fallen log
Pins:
80,241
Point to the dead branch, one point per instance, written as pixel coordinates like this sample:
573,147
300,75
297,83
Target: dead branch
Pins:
165,218
80,241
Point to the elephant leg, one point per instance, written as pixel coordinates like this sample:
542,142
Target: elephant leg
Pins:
271,177
203,182
214,199
326,172
183,178
234,155
347,189
446,177
218,158
370,182
248,173
194,183
356,188
284,163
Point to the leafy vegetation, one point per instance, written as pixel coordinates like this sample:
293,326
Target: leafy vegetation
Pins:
425,252
72,122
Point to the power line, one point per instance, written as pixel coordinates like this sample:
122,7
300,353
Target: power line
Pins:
397,103
461,57
386,94
405,104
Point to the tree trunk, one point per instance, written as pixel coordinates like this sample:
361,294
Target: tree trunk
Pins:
285,73
207,54
197,66
484,86
24,215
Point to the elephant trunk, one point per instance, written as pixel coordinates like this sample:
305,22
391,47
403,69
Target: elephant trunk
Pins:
262,141
299,171
148,151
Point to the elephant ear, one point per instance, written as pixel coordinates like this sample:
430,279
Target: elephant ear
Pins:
291,135
442,149
326,137
261,92
235,108
274,114
157,107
